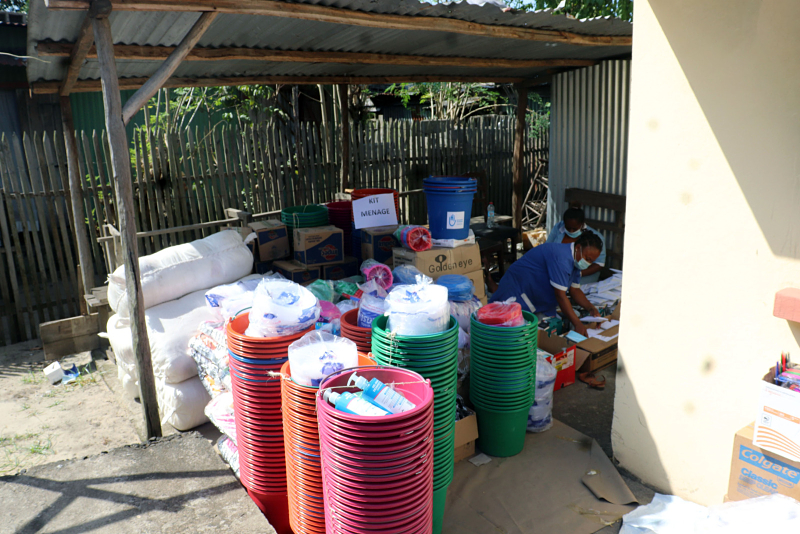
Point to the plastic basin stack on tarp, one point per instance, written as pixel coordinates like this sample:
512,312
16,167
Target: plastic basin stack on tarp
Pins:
301,440
340,214
377,471
449,205
259,423
502,383
362,337
363,193
309,216
435,357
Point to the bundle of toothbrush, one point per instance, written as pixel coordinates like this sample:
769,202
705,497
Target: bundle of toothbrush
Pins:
787,374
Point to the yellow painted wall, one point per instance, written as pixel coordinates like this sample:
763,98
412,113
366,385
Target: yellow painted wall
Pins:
712,232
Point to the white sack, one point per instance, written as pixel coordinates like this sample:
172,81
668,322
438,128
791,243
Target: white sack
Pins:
127,376
170,326
182,405
176,271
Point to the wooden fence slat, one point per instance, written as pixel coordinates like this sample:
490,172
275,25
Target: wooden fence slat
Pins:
163,187
140,198
8,245
102,156
188,185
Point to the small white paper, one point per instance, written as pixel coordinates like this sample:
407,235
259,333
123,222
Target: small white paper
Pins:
609,324
376,210
455,220
605,338
479,460
593,333
590,319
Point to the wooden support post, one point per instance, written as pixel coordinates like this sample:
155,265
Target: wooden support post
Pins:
76,198
519,156
120,163
78,55
146,92
344,99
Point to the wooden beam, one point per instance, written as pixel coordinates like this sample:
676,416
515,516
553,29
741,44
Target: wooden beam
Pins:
89,86
586,197
519,155
78,221
351,17
121,167
146,92
154,53
344,99
77,55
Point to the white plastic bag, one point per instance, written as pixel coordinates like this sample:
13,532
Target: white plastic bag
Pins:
462,311
220,412
176,271
318,354
371,307
282,308
418,310
182,405
540,415
230,299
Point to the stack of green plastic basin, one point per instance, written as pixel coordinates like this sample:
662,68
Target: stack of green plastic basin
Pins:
502,383
435,357
304,216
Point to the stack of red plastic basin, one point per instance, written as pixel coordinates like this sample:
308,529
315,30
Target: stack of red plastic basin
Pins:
378,471
363,193
301,438
259,424
340,214
362,337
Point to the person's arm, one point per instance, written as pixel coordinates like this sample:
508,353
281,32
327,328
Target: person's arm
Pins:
580,299
593,268
566,308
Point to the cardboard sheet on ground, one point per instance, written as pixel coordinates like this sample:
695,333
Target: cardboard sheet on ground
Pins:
541,490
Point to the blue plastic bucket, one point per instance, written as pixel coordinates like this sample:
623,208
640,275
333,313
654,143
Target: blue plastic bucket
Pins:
449,213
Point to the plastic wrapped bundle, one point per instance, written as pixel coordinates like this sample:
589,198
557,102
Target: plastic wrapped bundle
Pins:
407,275
540,416
418,310
375,270
318,354
323,290
230,299
462,311
507,313
282,308
459,287
372,306
413,237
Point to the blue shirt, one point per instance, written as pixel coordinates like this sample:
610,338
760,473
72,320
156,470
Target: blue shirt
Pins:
557,235
537,273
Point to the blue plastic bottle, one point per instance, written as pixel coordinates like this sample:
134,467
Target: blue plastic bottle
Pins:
490,216
380,394
350,403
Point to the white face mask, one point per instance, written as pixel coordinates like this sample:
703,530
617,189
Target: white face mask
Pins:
582,264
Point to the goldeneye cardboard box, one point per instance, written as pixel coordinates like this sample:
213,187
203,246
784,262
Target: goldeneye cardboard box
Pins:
437,261
273,241
296,271
756,471
321,245
378,243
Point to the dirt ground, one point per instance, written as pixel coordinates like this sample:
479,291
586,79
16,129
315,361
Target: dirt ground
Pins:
40,423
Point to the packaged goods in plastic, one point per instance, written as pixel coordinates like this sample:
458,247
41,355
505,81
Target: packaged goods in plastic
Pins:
220,412
417,310
346,305
540,415
323,290
371,307
459,287
413,237
508,313
328,312
230,299
318,354
373,270
282,308
211,358
176,271
181,405
462,311
408,275
346,287
229,452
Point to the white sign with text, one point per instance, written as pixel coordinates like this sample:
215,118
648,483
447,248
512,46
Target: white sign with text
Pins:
377,210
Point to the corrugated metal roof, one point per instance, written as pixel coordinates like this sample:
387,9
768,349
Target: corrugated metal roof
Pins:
267,32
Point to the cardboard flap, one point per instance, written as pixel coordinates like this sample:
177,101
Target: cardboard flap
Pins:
466,430
603,479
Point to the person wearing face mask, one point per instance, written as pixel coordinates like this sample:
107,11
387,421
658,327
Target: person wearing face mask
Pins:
572,225
542,277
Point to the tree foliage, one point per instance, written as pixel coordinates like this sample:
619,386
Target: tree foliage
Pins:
14,5
580,9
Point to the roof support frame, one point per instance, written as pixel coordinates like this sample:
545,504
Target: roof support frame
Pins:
77,55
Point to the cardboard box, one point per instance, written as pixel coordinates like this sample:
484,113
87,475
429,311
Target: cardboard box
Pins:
562,357
273,241
338,271
593,354
319,246
756,472
263,267
378,243
438,261
466,434
296,271
777,426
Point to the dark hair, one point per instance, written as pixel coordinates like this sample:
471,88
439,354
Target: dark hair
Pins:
574,214
590,239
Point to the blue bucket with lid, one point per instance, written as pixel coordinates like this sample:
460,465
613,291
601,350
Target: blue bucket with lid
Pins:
449,205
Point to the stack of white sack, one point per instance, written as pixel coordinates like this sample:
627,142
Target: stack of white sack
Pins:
174,287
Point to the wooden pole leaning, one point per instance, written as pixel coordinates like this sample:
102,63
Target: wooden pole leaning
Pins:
519,156
120,163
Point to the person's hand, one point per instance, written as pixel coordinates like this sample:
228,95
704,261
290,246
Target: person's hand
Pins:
582,330
594,313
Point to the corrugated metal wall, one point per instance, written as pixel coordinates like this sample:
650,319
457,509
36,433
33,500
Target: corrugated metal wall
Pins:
589,135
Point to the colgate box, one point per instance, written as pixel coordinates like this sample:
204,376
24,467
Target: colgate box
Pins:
321,245
755,471
378,243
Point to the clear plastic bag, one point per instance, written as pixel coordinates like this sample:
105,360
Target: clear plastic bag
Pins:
418,310
329,312
346,305
508,313
318,354
459,287
230,299
413,237
409,275
282,308
323,290
375,270
463,311
372,306
540,415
